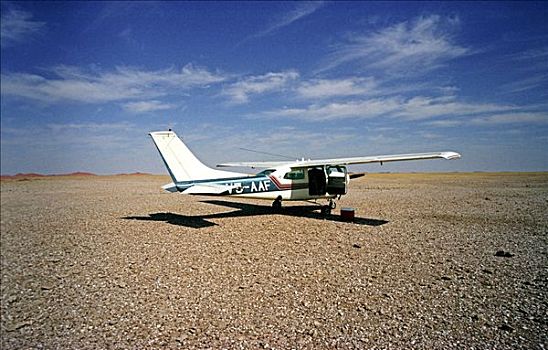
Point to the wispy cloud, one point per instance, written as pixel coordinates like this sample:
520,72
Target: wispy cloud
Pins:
96,127
65,83
288,141
325,88
540,53
63,134
525,84
240,91
361,109
147,106
301,10
512,118
75,146
421,107
444,123
531,68
113,10
418,45
16,26
416,108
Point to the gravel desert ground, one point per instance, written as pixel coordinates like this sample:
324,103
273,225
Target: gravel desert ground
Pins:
432,261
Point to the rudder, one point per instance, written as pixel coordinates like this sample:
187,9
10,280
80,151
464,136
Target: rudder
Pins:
180,162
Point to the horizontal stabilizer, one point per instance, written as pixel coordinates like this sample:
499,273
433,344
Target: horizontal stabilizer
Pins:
170,187
356,175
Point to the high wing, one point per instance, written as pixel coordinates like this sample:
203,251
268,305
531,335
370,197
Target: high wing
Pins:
347,161
256,164
378,159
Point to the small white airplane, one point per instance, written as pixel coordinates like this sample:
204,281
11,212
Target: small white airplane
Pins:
299,180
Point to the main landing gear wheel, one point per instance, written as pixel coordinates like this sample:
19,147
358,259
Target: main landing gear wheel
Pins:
277,204
326,209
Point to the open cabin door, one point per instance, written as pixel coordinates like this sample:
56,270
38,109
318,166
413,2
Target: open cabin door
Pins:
316,182
337,179
331,180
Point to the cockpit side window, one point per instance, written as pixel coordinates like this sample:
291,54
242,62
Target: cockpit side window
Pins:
336,168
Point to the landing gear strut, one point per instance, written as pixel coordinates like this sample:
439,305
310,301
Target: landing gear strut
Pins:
326,209
277,204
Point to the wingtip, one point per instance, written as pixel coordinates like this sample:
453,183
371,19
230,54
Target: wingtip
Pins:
451,155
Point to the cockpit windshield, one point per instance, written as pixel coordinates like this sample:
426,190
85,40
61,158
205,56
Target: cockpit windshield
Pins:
266,172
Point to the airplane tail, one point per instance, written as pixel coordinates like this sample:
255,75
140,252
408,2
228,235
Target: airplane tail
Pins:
181,164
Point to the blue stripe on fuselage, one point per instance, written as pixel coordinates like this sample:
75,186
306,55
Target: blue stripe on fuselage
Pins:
251,184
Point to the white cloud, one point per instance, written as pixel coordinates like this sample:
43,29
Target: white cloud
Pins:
96,127
290,142
540,53
16,26
416,108
147,106
511,118
324,88
444,123
63,134
67,147
528,83
124,83
422,44
420,107
339,110
240,91
302,9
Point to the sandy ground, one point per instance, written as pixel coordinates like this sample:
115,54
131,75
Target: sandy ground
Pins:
113,262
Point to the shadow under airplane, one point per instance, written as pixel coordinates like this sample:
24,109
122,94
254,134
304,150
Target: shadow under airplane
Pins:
247,209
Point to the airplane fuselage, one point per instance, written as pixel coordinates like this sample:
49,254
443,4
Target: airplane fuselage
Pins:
270,186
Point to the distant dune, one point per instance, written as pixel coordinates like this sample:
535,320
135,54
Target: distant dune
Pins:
134,174
30,176
78,173
21,176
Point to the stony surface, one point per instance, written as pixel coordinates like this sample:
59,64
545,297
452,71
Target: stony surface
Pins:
112,262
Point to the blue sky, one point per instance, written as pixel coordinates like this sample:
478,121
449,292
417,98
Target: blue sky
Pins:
82,83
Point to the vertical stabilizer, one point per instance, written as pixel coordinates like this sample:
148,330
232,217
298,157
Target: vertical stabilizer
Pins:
181,163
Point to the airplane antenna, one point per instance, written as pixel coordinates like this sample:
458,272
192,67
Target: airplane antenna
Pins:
270,154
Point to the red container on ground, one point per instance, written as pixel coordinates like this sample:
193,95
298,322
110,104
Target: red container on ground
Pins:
347,214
